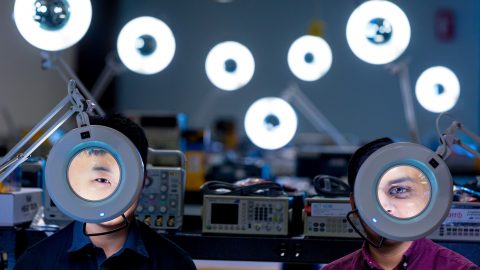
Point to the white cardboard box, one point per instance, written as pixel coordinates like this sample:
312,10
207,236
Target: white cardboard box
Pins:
19,206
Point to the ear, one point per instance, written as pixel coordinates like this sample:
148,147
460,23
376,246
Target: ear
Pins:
352,201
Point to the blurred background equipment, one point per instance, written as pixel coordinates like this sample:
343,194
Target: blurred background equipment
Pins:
250,206
327,217
162,201
461,224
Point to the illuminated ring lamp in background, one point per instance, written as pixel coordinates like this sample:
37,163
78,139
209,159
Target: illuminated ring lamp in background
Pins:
229,65
437,89
89,207
309,58
435,191
146,45
52,25
378,32
270,123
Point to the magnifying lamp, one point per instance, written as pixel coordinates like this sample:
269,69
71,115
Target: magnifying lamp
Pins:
405,191
378,32
93,173
270,123
52,25
437,89
229,65
309,57
146,45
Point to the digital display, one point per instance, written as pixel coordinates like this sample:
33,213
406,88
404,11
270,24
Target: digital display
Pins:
223,213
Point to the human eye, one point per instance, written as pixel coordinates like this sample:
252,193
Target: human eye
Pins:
399,192
102,181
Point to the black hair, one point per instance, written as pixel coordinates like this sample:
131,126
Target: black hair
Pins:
128,128
360,155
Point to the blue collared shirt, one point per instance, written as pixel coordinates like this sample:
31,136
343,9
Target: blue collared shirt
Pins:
82,243
70,249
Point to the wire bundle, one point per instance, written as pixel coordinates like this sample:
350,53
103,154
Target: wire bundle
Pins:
267,189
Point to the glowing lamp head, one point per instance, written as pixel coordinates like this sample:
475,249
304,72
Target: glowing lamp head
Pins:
270,123
437,89
146,45
309,58
378,32
229,65
52,25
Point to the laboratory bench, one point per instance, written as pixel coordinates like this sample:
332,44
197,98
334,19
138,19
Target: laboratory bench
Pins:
297,251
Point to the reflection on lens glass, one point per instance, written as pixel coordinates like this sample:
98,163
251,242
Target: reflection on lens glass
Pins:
404,191
94,174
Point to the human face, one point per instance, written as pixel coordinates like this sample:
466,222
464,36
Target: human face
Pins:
404,191
94,174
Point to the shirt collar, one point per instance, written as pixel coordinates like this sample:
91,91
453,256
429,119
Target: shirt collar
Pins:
134,240
79,240
414,250
368,259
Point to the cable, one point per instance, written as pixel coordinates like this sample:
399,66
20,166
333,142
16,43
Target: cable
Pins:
364,237
330,186
124,226
267,189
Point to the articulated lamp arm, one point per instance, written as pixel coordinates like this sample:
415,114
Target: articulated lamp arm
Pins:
78,105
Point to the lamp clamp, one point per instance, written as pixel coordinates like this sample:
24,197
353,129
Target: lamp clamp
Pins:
449,138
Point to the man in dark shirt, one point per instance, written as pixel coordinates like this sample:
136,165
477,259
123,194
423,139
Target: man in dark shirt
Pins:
135,247
390,254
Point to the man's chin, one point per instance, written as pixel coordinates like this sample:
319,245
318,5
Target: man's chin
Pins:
112,223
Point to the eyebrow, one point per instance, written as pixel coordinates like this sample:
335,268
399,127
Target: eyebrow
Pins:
101,168
400,180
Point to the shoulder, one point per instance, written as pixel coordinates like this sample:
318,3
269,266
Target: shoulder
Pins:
347,262
448,258
47,250
162,249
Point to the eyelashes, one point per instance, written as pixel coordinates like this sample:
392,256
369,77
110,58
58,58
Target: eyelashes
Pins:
399,192
102,181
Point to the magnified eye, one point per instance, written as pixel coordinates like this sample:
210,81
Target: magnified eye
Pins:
102,181
399,192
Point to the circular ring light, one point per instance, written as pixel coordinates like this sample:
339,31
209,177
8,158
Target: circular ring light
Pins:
437,89
146,45
378,32
52,25
403,191
93,174
309,58
229,65
270,123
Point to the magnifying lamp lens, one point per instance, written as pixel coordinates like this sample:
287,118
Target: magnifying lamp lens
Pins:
51,15
379,31
404,191
146,44
94,174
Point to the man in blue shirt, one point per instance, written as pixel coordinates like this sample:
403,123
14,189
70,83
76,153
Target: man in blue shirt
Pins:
108,245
